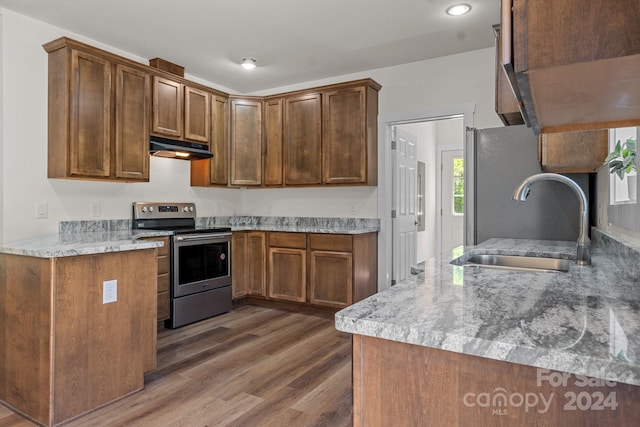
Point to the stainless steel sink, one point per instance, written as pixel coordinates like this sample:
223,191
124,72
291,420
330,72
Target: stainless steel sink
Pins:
522,263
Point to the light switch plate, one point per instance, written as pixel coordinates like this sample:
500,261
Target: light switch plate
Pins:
109,291
95,209
42,210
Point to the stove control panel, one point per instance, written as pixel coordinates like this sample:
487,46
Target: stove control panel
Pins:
157,210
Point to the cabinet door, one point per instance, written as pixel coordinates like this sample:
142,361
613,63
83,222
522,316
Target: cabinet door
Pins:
215,171
197,115
246,142
90,123
345,136
220,140
167,108
132,123
287,274
331,278
238,261
255,263
273,142
303,140
507,106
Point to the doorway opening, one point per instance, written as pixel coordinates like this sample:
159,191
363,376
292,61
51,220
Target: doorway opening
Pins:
428,182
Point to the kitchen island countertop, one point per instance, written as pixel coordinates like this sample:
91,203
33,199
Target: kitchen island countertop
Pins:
87,243
585,321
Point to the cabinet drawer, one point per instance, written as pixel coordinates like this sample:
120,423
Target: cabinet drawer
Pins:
163,306
331,242
288,240
163,265
164,250
163,283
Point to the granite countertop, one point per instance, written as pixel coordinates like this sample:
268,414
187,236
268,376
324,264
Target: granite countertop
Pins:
87,243
585,321
101,236
322,225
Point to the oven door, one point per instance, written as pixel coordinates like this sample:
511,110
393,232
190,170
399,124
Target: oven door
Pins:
201,262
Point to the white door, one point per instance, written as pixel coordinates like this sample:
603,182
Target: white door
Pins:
452,200
404,203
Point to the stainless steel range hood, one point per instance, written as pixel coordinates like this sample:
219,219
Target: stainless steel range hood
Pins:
165,147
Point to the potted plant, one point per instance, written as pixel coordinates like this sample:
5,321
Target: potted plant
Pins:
622,160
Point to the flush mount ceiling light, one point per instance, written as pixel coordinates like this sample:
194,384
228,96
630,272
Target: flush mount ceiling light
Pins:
458,9
248,63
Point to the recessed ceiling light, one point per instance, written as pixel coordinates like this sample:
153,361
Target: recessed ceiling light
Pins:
248,63
458,9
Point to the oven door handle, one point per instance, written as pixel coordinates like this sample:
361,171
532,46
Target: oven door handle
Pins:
191,237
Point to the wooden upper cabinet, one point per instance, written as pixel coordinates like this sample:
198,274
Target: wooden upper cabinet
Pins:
98,124
215,171
132,122
273,141
90,132
350,136
168,102
197,115
573,152
577,66
303,139
246,142
220,140
507,105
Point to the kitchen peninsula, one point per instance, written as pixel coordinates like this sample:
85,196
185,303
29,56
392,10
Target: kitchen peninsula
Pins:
77,316
474,346
65,350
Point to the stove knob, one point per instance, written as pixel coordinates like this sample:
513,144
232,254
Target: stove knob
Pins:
185,209
190,208
150,208
144,209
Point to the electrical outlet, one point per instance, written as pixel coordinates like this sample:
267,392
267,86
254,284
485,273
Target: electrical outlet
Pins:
354,209
109,291
95,209
42,210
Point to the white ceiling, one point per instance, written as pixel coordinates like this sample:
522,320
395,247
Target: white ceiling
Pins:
293,41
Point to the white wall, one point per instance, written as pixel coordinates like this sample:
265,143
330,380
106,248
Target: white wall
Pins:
24,145
441,84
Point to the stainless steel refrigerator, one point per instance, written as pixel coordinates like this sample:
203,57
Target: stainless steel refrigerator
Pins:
500,159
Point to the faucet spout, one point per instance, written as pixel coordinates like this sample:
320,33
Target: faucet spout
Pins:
583,256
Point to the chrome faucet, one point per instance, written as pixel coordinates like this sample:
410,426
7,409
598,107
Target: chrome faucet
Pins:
583,256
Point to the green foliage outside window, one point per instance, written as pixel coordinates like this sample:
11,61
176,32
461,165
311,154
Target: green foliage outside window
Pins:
458,186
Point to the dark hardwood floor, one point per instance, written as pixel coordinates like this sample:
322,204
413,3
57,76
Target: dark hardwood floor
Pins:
252,367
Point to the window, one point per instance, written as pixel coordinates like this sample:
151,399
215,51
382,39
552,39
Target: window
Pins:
622,191
458,186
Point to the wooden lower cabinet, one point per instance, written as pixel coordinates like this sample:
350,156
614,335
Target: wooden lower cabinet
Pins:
64,352
164,279
396,384
331,279
288,266
248,264
322,270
